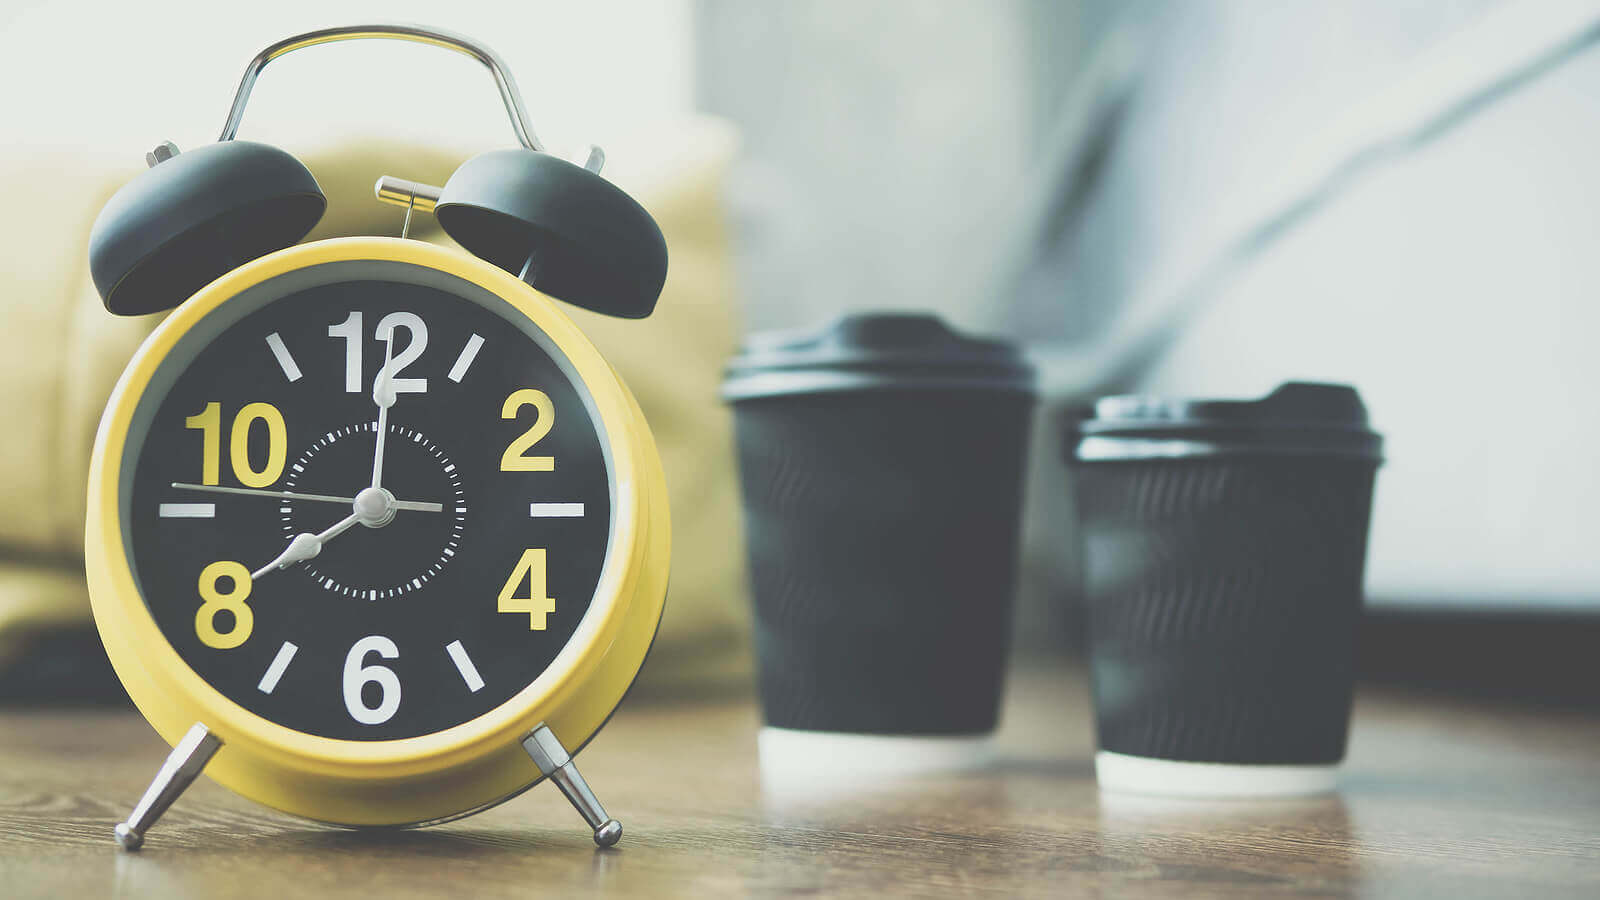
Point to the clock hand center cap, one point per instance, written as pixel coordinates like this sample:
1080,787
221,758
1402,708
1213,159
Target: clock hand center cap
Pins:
374,507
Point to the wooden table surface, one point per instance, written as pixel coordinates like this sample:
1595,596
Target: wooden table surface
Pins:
1439,798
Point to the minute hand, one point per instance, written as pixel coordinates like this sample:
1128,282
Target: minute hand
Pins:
383,395
413,505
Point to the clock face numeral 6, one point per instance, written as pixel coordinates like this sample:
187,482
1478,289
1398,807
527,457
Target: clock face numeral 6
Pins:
357,675
515,459
429,594
209,423
217,601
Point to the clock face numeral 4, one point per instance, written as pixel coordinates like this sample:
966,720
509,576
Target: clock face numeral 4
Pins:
515,459
208,422
531,567
417,334
232,602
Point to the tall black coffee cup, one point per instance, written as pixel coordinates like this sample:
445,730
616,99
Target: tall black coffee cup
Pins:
881,459
1224,546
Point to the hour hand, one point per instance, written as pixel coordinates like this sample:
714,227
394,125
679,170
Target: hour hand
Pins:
306,545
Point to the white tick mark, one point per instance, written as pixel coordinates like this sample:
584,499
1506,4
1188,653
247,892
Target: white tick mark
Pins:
275,670
285,361
469,672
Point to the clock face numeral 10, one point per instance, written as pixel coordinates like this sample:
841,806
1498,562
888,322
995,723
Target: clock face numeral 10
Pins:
208,422
537,605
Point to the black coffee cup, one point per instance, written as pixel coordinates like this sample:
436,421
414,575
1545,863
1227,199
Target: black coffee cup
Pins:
881,460
1224,544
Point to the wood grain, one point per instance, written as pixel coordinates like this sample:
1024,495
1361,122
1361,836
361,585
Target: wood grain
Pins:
1438,799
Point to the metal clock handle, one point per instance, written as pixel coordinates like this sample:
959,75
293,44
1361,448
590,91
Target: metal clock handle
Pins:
395,32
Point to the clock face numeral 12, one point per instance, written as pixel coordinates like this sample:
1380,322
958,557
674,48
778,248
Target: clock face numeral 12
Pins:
350,331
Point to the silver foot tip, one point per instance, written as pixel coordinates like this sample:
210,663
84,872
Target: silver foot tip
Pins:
608,834
132,840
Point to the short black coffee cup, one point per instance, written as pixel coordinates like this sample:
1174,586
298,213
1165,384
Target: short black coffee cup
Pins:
1224,544
881,462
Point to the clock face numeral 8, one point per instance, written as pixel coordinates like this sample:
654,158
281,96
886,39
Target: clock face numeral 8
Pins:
230,601
388,620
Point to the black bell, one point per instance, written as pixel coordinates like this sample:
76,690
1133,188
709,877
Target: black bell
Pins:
558,226
189,219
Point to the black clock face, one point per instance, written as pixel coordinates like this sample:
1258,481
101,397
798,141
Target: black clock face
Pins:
290,583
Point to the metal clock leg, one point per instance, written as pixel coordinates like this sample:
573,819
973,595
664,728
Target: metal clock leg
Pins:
182,767
557,765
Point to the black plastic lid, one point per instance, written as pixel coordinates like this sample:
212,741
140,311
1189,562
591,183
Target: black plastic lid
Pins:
1299,418
873,351
175,228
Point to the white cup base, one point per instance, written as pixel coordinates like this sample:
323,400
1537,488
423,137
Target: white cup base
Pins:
827,761
1177,778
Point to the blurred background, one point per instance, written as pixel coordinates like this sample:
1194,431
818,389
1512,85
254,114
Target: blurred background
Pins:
1192,198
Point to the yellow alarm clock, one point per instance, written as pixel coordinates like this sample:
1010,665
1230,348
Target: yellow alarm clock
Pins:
376,536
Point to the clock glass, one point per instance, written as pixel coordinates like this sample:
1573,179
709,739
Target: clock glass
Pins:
367,500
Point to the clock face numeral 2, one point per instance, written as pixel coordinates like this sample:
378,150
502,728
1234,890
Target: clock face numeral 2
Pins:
515,459
209,423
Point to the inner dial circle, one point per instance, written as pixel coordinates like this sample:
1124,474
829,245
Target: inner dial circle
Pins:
413,546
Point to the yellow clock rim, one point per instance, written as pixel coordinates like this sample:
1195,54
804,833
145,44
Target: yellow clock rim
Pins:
348,781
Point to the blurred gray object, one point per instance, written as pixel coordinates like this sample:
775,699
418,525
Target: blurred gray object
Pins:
1204,198
883,142
1394,197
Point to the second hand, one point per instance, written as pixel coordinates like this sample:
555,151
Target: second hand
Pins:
414,505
